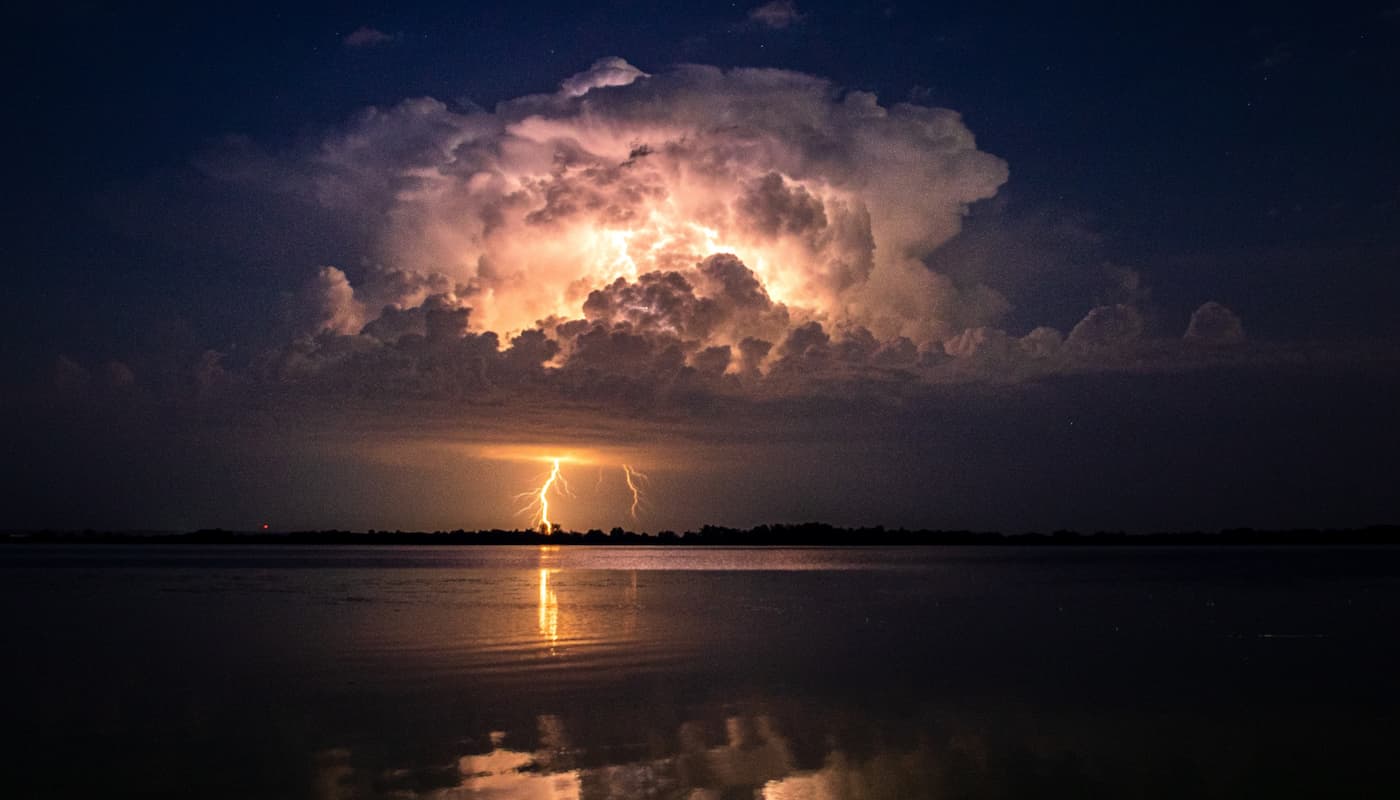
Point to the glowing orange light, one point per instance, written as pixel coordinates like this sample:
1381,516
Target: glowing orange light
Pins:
551,485
671,233
549,609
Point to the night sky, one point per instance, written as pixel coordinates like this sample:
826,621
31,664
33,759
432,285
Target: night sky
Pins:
933,265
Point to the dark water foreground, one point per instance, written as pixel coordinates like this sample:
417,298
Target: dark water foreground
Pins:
721,673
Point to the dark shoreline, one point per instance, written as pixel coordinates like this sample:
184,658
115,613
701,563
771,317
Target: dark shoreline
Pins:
804,535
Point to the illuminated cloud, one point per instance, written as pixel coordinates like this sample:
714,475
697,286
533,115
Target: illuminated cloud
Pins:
330,304
611,71
827,199
635,240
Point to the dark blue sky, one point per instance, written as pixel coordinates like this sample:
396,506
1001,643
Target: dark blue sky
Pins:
1247,153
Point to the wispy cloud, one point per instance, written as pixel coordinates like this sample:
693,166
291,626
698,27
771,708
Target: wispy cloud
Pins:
776,14
365,36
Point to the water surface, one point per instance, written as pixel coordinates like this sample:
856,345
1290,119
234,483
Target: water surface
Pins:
504,672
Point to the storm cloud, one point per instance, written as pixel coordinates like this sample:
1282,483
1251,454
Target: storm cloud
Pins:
716,227
692,261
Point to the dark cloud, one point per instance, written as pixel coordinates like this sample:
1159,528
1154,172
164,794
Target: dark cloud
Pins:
1215,324
983,343
1107,327
776,208
360,423
805,342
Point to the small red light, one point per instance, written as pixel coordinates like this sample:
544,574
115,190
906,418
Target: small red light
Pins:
264,526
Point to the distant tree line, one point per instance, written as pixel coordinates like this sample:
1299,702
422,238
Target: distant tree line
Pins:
810,534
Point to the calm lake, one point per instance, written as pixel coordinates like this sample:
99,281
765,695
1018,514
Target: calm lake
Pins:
580,672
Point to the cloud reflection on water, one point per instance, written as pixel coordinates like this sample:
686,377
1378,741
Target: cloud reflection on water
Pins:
751,754
777,751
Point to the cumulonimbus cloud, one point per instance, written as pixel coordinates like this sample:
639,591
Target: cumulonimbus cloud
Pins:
726,225
828,197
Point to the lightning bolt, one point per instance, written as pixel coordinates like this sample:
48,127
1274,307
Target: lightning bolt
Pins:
539,498
553,484
634,480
